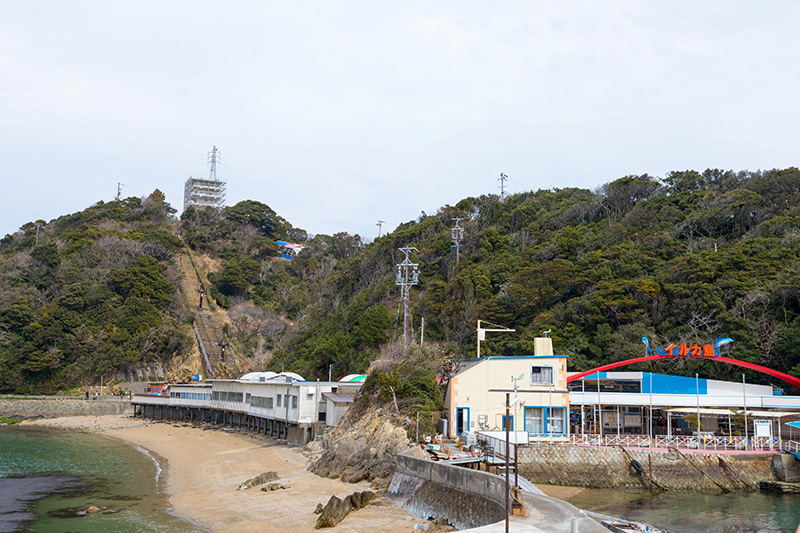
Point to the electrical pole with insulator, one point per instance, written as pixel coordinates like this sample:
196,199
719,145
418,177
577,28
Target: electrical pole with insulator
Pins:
407,275
456,234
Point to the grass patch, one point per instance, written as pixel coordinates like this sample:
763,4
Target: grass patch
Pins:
10,420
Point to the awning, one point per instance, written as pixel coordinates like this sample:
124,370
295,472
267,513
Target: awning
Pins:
727,412
793,424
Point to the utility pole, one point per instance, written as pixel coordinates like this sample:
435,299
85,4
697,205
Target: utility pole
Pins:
407,275
456,234
119,192
380,226
212,161
502,181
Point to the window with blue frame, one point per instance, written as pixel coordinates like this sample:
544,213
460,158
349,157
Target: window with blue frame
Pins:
545,420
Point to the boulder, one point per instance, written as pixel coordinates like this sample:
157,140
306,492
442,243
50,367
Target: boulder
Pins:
258,480
93,509
362,449
270,487
336,509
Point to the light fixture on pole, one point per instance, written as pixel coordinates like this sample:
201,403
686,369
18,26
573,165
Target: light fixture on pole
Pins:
482,333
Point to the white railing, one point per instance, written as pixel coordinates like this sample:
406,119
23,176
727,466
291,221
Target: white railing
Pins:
709,442
792,446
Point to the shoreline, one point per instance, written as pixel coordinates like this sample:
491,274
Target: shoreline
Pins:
201,468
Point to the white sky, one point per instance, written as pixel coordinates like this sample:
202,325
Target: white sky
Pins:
337,114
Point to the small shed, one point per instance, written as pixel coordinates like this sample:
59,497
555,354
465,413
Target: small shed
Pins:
337,404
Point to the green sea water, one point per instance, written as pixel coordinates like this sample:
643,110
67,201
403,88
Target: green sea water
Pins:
692,512
60,473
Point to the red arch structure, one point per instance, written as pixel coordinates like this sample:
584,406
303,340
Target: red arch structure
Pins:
758,368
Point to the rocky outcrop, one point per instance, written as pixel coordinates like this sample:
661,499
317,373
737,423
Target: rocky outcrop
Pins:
258,480
336,509
362,449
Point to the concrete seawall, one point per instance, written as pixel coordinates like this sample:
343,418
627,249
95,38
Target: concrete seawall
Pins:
52,408
670,469
465,498
474,499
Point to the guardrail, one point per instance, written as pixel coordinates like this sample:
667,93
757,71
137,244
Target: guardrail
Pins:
715,442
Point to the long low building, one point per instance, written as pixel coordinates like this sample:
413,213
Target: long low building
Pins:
283,405
649,403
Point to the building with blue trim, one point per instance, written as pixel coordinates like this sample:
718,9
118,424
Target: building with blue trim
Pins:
536,386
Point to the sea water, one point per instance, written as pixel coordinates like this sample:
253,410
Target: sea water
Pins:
48,478
692,512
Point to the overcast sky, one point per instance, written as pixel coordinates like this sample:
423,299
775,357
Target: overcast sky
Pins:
338,114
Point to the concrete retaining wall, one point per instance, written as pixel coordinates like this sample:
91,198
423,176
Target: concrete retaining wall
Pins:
465,498
10,408
610,467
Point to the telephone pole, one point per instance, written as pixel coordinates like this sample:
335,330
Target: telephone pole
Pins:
119,192
456,234
407,275
380,226
502,181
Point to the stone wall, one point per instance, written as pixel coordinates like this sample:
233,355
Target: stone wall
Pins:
10,408
672,469
465,498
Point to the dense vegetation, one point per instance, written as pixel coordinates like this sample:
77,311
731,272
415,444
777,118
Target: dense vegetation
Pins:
683,259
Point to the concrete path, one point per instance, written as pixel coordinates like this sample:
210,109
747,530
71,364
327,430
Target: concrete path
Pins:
546,515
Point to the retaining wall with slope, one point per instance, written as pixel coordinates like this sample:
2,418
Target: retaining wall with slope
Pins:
51,408
670,469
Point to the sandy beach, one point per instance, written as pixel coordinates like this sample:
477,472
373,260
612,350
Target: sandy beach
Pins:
203,468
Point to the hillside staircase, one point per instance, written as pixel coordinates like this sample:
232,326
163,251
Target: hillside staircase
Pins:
207,326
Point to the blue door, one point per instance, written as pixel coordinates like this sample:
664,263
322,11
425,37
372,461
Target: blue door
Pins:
462,420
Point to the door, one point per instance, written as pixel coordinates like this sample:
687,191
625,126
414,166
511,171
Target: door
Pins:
462,420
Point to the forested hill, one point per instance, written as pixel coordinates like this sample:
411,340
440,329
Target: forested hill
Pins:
683,259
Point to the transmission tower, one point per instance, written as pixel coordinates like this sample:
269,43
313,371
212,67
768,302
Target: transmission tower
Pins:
502,179
407,275
380,226
456,234
212,161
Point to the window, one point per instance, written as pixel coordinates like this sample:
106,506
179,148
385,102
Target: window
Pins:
555,420
534,420
294,402
247,398
541,375
279,400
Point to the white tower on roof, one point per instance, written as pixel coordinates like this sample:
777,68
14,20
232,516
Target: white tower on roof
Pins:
205,192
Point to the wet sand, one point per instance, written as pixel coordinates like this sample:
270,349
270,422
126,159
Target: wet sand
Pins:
203,468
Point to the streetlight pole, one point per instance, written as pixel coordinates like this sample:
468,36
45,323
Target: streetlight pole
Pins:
508,488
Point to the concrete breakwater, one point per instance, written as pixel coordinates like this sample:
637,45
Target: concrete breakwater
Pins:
664,469
51,408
